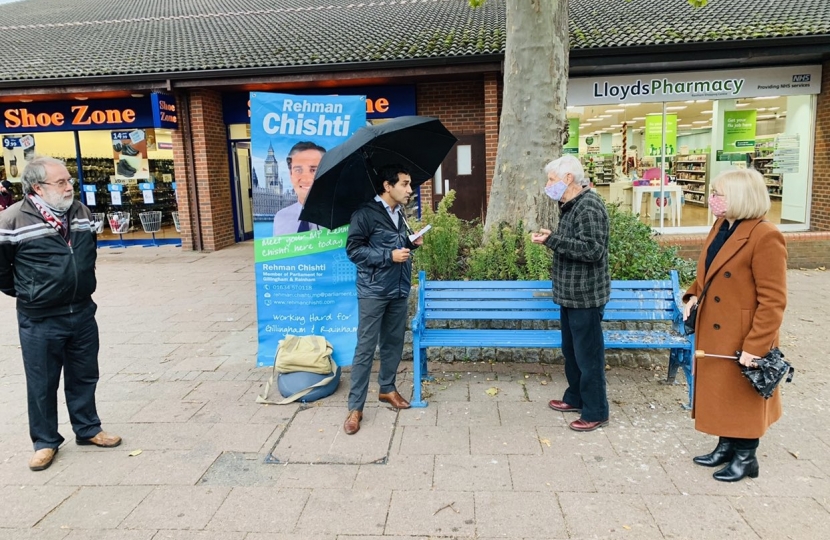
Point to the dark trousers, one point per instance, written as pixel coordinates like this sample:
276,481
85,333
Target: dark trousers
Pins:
743,444
67,342
584,350
380,321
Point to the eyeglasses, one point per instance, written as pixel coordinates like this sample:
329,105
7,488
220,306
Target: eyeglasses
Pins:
60,183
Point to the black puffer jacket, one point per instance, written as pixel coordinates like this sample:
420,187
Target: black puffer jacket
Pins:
372,238
48,276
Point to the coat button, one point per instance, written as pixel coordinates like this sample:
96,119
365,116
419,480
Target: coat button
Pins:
717,299
727,274
717,327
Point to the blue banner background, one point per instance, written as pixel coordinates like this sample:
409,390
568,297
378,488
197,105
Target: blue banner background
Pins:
305,294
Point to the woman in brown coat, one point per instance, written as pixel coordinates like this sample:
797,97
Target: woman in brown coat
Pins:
744,261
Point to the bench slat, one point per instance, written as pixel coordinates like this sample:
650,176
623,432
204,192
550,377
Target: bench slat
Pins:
614,339
525,315
508,285
542,304
616,294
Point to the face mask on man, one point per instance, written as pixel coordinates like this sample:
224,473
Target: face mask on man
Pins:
556,190
717,205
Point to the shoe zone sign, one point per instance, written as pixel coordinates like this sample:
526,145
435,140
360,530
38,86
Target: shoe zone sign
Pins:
305,284
157,110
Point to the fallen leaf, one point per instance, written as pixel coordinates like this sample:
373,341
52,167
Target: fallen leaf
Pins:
544,383
134,453
626,527
793,454
492,391
545,441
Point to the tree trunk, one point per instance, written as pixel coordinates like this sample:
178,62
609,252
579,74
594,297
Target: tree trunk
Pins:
534,115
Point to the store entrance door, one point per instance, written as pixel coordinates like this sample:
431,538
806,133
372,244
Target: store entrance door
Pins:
242,190
463,170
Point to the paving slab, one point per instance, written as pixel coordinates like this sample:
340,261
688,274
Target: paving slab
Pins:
432,513
177,508
509,514
260,509
96,507
472,473
26,506
345,511
698,516
540,473
607,515
399,472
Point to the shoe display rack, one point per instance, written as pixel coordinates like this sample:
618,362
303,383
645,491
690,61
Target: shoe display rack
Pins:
99,219
119,224
692,174
100,171
151,223
175,216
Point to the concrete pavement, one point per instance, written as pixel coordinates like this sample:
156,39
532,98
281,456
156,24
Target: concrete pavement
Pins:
202,461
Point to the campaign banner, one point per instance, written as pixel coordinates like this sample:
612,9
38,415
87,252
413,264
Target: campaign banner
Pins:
654,134
305,284
739,131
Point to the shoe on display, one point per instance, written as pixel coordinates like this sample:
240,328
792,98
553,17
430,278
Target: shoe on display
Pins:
117,147
128,150
125,169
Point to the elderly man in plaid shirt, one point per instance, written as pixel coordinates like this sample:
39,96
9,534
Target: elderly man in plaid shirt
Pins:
581,287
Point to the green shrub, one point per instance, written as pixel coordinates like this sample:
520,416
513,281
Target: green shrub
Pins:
453,250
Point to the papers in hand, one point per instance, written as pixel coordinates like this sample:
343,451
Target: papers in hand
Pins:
415,236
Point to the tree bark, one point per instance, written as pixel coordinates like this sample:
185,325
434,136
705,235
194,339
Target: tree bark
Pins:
533,120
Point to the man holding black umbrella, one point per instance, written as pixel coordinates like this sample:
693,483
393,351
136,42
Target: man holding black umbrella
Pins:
378,244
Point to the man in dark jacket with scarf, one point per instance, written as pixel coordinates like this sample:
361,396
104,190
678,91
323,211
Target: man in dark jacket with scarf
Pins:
581,287
379,245
47,261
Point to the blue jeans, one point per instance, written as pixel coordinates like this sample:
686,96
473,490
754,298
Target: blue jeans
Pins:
584,349
380,321
49,345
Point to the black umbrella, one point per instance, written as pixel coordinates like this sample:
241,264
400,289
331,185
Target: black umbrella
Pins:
768,371
344,179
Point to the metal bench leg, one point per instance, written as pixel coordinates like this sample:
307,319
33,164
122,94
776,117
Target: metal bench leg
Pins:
425,376
418,368
674,365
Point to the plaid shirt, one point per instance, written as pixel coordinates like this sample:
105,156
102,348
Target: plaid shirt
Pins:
580,253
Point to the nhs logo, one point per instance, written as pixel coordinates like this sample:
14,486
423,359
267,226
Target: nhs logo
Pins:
801,78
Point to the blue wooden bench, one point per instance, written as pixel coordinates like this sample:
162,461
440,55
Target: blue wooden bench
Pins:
631,302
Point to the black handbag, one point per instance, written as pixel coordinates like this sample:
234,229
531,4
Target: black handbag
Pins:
689,323
770,370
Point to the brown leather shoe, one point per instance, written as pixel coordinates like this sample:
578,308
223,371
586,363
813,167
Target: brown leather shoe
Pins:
42,459
395,399
584,425
352,423
102,439
561,406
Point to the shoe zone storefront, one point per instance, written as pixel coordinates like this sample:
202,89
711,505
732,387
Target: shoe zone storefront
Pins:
631,131
260,187
120,151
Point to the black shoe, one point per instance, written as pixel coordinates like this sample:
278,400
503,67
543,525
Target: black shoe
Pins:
117,147
124,169
722,453
744,463
128,150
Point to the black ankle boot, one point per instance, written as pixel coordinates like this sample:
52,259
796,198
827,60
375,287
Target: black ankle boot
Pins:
744,463
722,453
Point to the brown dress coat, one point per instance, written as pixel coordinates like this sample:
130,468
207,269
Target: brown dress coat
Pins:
741,311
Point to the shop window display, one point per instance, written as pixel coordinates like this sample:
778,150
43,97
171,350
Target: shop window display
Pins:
620,148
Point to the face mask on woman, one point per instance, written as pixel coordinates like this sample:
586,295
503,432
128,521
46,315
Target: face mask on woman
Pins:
717,204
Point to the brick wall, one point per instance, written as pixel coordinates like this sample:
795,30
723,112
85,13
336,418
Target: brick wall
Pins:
820,206
460,106
492,113
182,177
805,249
210,159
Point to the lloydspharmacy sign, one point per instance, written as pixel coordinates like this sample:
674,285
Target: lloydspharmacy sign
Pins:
746,83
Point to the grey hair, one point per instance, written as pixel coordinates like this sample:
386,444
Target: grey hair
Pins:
35,172
568,165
